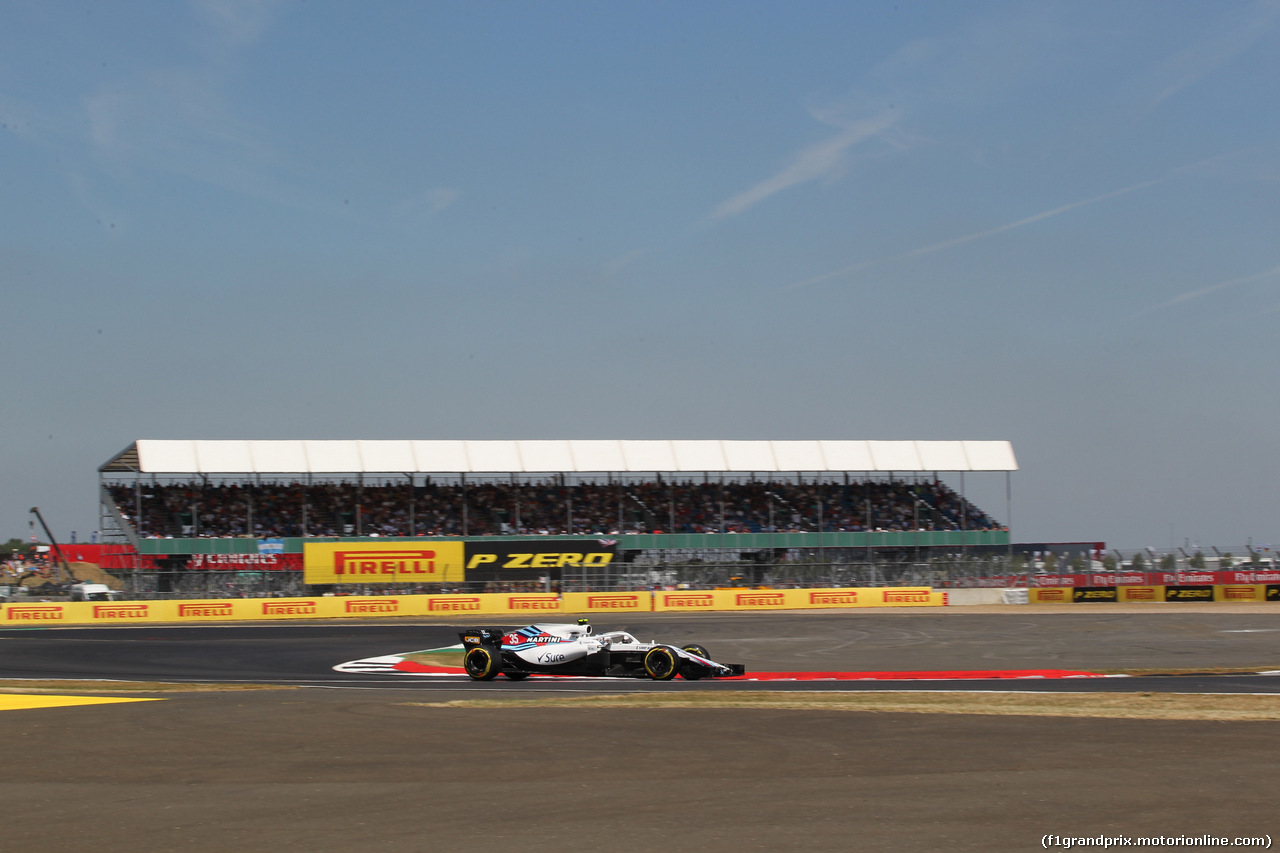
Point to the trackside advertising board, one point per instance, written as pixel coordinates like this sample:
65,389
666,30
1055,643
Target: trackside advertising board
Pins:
453,562
500,560
383,562
1157,592
513,606
509,607
796,599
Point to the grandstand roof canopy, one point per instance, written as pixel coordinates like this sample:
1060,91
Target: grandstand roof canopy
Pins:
500,457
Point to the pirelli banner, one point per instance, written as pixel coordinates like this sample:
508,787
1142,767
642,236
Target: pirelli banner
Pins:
797,599
453,562
512,606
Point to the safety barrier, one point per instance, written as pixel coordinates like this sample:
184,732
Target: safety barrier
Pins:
1154,593
530,607
526,605
797,599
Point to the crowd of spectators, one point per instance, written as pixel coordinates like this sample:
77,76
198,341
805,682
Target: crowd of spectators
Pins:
267,510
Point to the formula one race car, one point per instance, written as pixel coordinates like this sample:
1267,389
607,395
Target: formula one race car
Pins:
577,650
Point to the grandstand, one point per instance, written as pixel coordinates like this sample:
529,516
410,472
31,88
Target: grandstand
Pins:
686,503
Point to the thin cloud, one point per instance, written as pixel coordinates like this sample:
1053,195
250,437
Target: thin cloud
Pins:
1213,288
814,162
1198,61
978,235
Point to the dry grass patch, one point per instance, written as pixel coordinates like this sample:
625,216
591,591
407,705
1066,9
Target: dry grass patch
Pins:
445,657
1146,706
50,686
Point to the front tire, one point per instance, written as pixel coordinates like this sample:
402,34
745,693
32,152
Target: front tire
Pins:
481,664
694,648
661,664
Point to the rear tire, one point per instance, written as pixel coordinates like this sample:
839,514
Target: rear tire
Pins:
661,664
481,664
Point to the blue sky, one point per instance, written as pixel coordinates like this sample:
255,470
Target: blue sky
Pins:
1052,223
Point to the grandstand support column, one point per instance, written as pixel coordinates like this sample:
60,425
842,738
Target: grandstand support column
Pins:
1008,511
360,504
306,495
871,553
463,487
964,520
721,503
671,506
413,527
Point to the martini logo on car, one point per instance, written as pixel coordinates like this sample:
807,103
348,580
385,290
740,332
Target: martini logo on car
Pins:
843,599
120,611
529,637
453,604
761,599
206,609
289,608
373,605
33,612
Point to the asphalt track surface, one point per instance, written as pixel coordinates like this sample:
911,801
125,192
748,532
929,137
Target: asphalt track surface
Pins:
356,764
824,642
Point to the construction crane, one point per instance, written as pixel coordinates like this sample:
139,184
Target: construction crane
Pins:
53,543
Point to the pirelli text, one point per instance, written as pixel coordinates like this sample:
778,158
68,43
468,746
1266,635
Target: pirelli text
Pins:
1068,842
